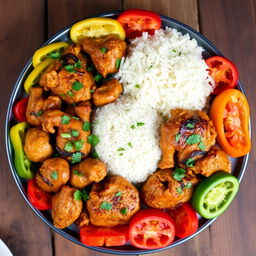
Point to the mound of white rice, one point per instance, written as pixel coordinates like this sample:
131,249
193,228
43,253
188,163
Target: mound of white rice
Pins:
161,72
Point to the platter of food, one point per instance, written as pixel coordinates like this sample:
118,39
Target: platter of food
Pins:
128,132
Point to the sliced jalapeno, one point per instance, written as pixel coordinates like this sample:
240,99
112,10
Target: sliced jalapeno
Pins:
214,194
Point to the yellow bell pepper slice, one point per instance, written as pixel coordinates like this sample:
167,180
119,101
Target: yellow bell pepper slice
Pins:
34,76
95,28
49,51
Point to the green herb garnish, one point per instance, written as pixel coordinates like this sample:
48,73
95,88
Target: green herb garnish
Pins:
150,66
85,195
70,68
98,78
93,139
174,50
65,119
130,144
53,55
190,162
78,195
118,194
106,206
39,113
70,94
179,173
133,126
120,149
77,86
191,126
76,157
76,172
193,139
78,64
140,124
78,144
188,185
54,175
137,85
177,137
92,91
124,211
86,126
91,68
103,49
74,117
202,146
65,135
74,133
68,146
95,154
179,190
118,62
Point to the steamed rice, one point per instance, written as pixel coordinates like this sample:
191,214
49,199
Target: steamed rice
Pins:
160,72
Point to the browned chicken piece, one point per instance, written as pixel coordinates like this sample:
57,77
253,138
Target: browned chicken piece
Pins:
215,160
88,171
106,61
83,111
65,209
83,219
71,137
37,145
162,191
112,202
190,133
53,174
107,93
37,105
69,80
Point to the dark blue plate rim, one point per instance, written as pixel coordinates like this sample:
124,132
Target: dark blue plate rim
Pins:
18,179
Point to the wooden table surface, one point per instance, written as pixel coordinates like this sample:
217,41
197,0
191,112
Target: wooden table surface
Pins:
26,24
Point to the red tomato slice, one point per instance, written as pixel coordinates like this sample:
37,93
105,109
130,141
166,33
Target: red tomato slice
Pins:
223,72
38,198
186,221
19,110
98,236
151,229
136,21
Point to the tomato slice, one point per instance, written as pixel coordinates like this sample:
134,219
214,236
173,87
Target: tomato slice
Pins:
186,221
214,194
98,236
230,116
19,110
151,229
38,198
136,21
223,72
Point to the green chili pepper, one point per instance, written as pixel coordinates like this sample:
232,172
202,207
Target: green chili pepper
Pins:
21,162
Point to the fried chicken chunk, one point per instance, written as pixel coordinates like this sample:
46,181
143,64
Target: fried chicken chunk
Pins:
215,160
53,174
65,209
37,145
37,105
88,171
71,137
162,191
107,93
69,80
112,202
106,61
83,219
189,132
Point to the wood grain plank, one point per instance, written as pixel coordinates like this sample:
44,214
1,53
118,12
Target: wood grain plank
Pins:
60,14
182,10
21,33
231,25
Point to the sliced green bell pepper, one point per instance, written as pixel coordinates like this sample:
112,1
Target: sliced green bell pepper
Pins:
214,194
21,162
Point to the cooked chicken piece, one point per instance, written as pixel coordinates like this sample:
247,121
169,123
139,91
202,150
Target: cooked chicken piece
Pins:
190,133
106,53
37,105
215,160
83,111
37,145
112,202
107,93
70,81
162,191
88,171
83,219
53,174
65,209
71,137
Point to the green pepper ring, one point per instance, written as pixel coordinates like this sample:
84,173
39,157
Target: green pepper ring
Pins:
207,192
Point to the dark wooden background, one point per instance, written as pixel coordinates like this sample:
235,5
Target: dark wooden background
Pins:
26,24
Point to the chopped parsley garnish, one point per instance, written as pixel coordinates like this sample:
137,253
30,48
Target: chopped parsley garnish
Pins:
150,66
179,190
78,195
188,185
98,78
65,119
124,211
78,144
92,91
177,137
69,146
118,62
39,113
130,144
76,172
74,133
76,157
174,50
202,146
86,126
53,55
190,126
190,162
77,86
120,149
179,173
193,139
70,94
90,68
106,206
179,53
118,194
65,135
103,49
137,85
78,64
95,154
93,139
140,124
70,68
85,195
133,126
54,175
74,117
